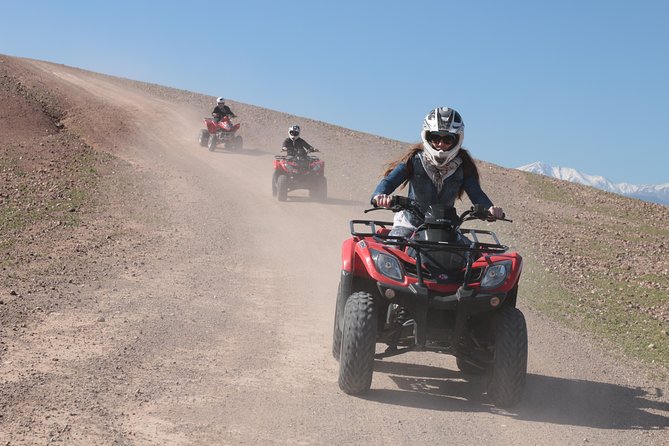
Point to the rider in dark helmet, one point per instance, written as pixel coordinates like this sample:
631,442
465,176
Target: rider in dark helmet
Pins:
294,144
221,110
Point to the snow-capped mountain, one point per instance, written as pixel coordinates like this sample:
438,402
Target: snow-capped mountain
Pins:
656,193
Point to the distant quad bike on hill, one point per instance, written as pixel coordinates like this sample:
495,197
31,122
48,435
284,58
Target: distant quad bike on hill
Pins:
444,289
222,132
302,171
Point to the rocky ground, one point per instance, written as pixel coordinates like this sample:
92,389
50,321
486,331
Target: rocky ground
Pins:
155,293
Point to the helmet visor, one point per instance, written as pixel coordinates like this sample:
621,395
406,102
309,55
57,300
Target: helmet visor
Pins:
449,139
293,133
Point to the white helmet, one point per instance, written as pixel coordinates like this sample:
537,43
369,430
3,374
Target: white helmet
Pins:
443,121
220,101
293,132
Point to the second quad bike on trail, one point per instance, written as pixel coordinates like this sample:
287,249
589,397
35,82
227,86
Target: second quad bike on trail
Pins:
221,132
444,289
300,171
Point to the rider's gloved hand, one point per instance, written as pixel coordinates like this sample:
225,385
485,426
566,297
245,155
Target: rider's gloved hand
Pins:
382,201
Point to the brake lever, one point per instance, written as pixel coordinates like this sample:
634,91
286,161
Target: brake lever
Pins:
491,219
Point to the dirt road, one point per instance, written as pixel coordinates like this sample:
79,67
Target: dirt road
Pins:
217,329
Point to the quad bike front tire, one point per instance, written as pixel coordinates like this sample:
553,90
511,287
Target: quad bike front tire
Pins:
358,344
282,188
203,138
319,190
509,370
211,144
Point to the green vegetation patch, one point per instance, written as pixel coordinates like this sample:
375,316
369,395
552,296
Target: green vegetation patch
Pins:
619,312
546,189
41,191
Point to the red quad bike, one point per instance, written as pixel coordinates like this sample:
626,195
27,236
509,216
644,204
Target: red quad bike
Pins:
444,289
222,132
301,171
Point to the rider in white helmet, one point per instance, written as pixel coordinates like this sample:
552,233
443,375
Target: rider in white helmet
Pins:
438,170
294,144
221,110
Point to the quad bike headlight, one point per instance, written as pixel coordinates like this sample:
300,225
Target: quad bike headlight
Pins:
496,274
387,265
316,167
290,167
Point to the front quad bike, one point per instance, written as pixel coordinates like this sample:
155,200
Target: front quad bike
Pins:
444,289
222,132
301,171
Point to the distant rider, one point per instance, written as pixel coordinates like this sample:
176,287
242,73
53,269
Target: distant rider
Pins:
294,144
222,110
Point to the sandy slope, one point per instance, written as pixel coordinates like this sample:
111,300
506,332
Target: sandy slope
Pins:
211,322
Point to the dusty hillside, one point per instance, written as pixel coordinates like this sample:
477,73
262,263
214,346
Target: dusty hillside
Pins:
155,293
604,255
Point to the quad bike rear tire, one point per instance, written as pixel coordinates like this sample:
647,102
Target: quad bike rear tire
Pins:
211,144
275,175
238,143
509,370
282,188
358,344
203,137
336,330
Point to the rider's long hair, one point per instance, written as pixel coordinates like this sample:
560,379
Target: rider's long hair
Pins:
468,165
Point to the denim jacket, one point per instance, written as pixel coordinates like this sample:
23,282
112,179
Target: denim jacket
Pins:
423,190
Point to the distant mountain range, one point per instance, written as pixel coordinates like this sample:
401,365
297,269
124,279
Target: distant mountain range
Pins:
656,193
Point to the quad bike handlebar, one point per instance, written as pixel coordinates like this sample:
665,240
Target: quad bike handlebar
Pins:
437,237
401,203
283,149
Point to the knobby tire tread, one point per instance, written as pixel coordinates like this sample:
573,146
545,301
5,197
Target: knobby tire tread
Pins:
356,361
510,366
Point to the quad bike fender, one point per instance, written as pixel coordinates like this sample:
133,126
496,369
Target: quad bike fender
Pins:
347,255
211,126
356,259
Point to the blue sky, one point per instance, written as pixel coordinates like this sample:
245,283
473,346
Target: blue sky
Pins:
580,84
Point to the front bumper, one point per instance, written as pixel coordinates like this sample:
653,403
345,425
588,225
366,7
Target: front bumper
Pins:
420,300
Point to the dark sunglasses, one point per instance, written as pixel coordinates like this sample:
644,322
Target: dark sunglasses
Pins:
448,138
293,133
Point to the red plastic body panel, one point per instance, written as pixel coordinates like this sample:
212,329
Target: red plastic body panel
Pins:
298,169
224,125
347,255
357,259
